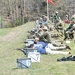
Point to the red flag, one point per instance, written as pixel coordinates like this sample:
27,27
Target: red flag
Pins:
51,2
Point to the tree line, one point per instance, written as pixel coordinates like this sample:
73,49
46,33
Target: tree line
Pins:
18,12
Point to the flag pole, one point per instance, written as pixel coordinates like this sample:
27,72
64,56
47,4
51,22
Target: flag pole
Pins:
47,12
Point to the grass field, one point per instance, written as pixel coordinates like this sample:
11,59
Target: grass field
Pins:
11,38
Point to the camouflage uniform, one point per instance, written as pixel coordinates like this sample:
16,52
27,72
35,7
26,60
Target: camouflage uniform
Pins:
45,37
69,31
60,27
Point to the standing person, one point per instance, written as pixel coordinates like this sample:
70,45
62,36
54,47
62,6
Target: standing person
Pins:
56,17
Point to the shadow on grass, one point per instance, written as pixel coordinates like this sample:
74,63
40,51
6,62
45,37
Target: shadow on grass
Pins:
15,68
18,68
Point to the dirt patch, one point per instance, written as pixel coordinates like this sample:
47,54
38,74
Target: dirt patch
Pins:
7,37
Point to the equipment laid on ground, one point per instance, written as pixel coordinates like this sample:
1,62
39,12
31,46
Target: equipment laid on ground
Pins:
24,63
35,56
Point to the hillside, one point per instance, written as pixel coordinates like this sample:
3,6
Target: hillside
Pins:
11,38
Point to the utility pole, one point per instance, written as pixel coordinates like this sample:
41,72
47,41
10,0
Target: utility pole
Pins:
47,12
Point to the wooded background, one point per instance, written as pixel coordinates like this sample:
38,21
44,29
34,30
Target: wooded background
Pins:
17,12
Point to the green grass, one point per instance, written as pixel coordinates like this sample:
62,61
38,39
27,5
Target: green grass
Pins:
11,38
5,31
